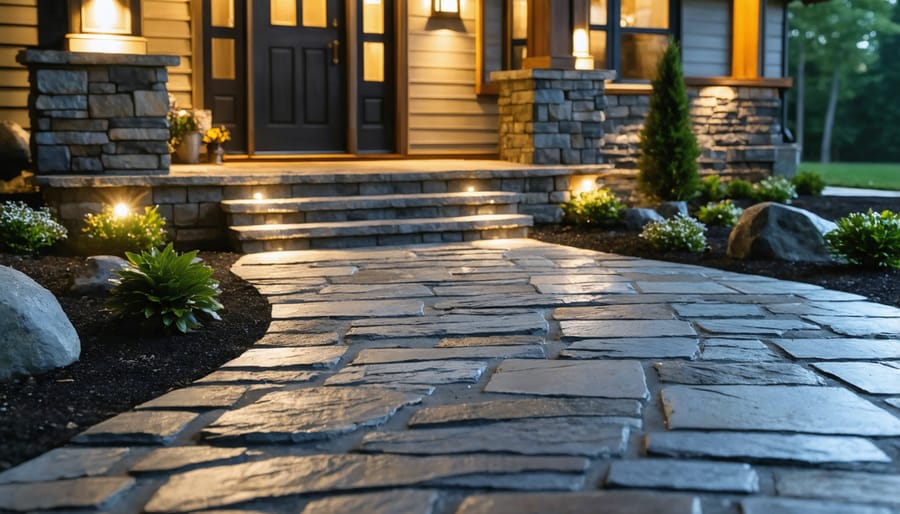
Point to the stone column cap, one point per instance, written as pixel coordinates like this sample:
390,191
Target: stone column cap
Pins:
61,57
551,74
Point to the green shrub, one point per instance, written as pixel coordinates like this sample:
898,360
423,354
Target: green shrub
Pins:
166,290
669,151
678,233
24,230
129,232
712,189
738,189
592,207
723,213
808,183
871,239
774,189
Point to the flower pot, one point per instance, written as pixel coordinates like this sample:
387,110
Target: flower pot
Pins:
188,151
214,153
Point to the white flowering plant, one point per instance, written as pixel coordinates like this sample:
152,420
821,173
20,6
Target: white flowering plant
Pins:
774,189
678,233
722,213
24,230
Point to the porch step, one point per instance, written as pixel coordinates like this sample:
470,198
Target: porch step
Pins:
346,234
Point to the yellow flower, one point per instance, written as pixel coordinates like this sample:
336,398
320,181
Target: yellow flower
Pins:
218,135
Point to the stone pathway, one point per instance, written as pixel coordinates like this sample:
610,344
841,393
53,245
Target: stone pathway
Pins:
506,377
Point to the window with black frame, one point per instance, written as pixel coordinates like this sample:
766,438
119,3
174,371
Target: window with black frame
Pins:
634,44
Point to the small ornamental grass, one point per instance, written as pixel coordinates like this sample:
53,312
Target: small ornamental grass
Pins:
724,214
118,233
808,183
867,239
24,230
592,207
678,233
774,189
166,290
712,189
738,189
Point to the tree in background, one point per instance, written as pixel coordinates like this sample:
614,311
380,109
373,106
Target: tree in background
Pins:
669,151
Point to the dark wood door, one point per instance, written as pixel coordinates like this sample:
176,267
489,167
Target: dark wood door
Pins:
375,89
225,68
299,76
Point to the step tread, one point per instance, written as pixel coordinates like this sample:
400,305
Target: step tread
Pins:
283,205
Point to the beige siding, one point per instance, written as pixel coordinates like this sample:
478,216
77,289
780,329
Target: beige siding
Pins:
706,38
772,38
167,27
445,114
18,29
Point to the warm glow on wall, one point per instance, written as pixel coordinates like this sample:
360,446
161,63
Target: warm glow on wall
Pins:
105,26
449,8
105,17
581,46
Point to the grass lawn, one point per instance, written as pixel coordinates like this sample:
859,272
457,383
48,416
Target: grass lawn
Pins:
857,174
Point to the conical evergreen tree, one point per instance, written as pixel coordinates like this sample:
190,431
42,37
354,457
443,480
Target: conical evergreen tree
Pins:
669,151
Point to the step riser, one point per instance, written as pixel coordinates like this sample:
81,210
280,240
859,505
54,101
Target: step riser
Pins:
370,214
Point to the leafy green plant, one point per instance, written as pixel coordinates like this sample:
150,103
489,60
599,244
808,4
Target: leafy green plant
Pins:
722,213
678,233
712,189
24,230
808,183
166,290
739,189
181,123
668,162
867,239
120,232
592,207
774,189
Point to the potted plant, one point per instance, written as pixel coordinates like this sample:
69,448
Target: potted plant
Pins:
184,136
215,139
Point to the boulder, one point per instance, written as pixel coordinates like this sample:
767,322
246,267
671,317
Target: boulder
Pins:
14,150
772,230
35,334
95,281
672,209
635,218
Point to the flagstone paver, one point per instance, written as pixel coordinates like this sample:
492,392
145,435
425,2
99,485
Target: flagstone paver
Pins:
511,377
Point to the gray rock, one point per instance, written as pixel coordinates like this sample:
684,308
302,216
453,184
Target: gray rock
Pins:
652,311
774,231
308,414
284,476
61,82
600,379
817,410
65,463
717,310
181,458
197,398
859,327
763,505
451,324
385,355
706,373
97,280
461,342
35,334
589,329
840,485
672,209
390,502
871,377
584,436
93,492
323,357
635,218
145,427
838,349
808,449
605,502
421,373
754,327
683,475
111,106
645,348
501,410
738,350
15,151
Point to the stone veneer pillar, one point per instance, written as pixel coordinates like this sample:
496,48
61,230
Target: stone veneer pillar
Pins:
99,114
552,116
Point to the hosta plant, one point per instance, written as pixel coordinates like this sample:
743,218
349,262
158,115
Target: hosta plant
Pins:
24,230
592,207
166,290
808,183
868,239
774,189
678,233
724,213
120,232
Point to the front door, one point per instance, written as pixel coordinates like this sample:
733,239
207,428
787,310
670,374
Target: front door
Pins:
299,76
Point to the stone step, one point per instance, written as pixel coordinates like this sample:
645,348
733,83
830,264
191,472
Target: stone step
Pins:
346,234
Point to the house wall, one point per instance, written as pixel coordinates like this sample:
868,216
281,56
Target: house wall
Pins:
18,29
706,38
445,114
773,39
167,27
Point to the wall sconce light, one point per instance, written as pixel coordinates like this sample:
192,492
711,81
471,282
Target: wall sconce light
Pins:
445,8
581,50
105,26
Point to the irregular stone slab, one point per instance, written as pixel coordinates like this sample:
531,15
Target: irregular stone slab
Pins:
286,339
703,373
683,288
826,295
267,358
636,311
577,329
461,325
584,436
771,286
738,350
611,502
197,398
390,502
601,379
761,505
840,485
93,492
259,376
499,301
587,288
292,287
187,457
377,292
859,327
348,309
852,309
871,377
308,414
838,349
396,276
501,410
809,449
717,310
819,410
143,427
683,475
648,348
460,342
893,402
307,326
285,476
754,327
65,463
478,290
385,355
275,272
422,372
580,277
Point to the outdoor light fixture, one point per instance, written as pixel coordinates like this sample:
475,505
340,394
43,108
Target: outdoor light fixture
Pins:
445,8
588,185
470,189
581,50
257,196
105,26
121,210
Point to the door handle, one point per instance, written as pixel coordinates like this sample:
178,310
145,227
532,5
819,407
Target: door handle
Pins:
335,53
